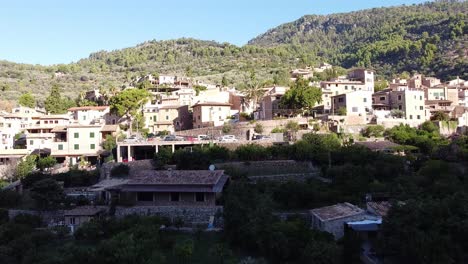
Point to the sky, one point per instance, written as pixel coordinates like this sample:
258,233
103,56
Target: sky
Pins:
56,31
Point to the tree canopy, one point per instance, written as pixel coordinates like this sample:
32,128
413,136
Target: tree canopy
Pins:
27,99
301,97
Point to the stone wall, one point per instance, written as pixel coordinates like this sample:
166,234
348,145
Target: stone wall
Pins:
47,216
134,166
240,130
191,216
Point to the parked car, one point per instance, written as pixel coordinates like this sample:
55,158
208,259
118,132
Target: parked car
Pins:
203,137
132,139
228,138
261,137
173,138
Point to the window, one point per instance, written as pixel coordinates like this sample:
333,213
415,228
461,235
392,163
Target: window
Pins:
46,122
56,121
219,109
175,197
167,110
198,117
340,100
167,117
365,100
72,220
31,142
91,134
421,107
60,147
354,109
399,97
145,196
84,117
382,98
346,87
92,146
76,146
418,117
411,117
76,135
199,197
420,97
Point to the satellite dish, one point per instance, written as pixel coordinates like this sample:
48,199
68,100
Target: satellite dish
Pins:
211,167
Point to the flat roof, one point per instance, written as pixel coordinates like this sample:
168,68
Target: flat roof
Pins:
176,177
211,104
84,211
336,211
82,108
377,145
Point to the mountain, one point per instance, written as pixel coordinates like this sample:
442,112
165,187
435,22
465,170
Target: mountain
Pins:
429,38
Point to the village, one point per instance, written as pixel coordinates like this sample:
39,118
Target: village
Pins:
185,116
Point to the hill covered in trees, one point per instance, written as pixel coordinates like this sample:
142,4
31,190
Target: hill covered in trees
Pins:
429,38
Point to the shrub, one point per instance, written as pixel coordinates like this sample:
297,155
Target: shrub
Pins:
9,198
341,111
258,128
30,220
251,152
120,170
227,128
397,113
278,130
373,131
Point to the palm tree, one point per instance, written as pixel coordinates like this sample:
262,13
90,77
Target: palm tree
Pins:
253,91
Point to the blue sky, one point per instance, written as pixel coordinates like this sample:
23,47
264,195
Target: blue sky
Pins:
58,31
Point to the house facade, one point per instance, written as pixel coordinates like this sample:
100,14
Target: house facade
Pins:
332,218
209,114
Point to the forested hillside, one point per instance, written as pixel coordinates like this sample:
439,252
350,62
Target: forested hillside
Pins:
429,38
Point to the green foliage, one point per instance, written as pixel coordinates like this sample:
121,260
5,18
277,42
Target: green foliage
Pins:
373,131
162,158
128,102
397,113
120,170
440,116
341,111
301,97
258,128
109,143
425,140
9,198
199,88
226,128
278,130
47,193
55,103
25,167
46,163
27,99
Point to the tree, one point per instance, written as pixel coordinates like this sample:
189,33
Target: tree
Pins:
253,90
47,193
440,116
224,81
373,131
292,127
341,111
397,113
258,128
129,102
226,128
55,104
25,167
27,99
301,97
46,162
109,143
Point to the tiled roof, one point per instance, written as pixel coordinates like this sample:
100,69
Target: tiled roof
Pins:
82,108
380,208
109,128
84,211
211,104
377,145
336,211
176,177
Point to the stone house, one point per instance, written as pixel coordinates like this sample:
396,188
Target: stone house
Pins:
82,214
171,188
332,219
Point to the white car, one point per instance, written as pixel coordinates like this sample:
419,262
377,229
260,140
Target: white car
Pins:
228,138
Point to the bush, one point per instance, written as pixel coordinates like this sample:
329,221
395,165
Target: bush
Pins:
258,128
120,170
3,216
278,130
9,198
373,131
341,111
30,220
226,128
251,152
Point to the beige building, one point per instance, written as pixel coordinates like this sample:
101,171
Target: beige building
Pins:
357,80
75,141
210,114
167,118
81,215
88,115
442,92
358,105
269,105
410,101
39,135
